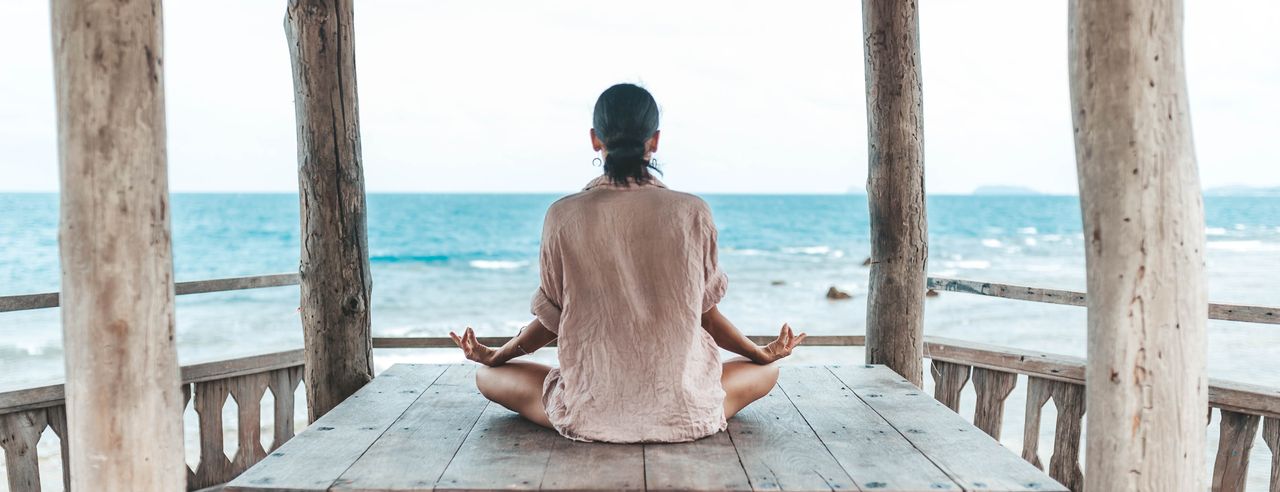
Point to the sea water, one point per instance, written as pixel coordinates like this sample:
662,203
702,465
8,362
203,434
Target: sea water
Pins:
441,262
444,261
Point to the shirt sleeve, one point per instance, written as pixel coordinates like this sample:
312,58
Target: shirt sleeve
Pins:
716,282
548,299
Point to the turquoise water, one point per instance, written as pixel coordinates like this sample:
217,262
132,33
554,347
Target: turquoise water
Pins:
443,261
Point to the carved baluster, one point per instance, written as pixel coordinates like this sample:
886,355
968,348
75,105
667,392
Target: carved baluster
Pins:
993,387
214,467
1235,440
19,434
948,379
58,422
1037,396
186,400
283,384
1271,434
247,391
1064,465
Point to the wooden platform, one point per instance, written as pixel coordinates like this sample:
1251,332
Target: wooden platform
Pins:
425,427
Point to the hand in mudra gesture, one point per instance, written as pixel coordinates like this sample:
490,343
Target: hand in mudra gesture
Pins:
782,346
473,349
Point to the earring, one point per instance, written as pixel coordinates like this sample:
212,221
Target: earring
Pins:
597,162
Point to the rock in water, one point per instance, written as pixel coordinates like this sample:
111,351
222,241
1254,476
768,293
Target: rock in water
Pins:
778,282
837,294
931,293
866,262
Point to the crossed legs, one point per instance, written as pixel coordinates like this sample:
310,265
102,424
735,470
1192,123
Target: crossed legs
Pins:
517,385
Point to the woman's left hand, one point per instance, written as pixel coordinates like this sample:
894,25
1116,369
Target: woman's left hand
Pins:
781,347
474,350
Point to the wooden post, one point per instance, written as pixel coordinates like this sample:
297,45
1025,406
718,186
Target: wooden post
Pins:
334,271
124,402
1144,230
895,187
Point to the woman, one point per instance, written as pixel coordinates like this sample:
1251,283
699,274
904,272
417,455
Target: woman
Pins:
629,286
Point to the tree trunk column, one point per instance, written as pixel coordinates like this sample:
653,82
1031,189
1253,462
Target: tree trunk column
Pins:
335,276
1144,232
895,187
124,404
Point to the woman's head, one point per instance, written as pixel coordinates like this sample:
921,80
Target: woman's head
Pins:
625,128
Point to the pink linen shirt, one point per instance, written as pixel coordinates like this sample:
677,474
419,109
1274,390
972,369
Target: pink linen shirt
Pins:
626,273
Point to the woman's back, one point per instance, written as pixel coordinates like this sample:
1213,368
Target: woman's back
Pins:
627,271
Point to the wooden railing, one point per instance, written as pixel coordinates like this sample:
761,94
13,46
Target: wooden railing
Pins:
26,413
993,370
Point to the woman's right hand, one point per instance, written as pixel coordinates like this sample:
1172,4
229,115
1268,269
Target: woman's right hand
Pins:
780,347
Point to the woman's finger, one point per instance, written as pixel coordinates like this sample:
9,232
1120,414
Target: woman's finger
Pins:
799,338
455,338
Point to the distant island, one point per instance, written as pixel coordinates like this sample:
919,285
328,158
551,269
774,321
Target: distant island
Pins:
1004,190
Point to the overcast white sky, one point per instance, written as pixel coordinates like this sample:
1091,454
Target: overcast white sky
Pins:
757,97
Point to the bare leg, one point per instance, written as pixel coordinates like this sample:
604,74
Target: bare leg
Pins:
516,385
744,382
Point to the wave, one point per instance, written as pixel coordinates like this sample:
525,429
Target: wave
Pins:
409,259
970,264
1215,231
743,252
497,264
1027,230
808,250
1243,246
992,243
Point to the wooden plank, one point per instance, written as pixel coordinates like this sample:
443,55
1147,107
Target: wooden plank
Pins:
214,467
502,451
1064,465
446,342
1231,395
58,422
1038,395
710,463
316,457
1235,440
1030,362
53,394
972,458
241,366
948,381
992,387
236,283
594,466
1271,435
1225,312
283,384
19,435
850,430
414,451
44,300
779,451
247,392
1007,291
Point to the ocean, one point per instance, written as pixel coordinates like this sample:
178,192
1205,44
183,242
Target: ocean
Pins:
444,261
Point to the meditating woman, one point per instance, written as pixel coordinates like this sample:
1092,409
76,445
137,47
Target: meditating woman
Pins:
629,287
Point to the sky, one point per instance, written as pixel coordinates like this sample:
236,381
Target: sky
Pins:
757,97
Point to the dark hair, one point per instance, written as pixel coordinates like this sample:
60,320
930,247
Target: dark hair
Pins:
625,117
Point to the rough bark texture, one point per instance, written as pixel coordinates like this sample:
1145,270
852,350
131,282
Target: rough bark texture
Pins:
895,187
124,405
334,271
1144,228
